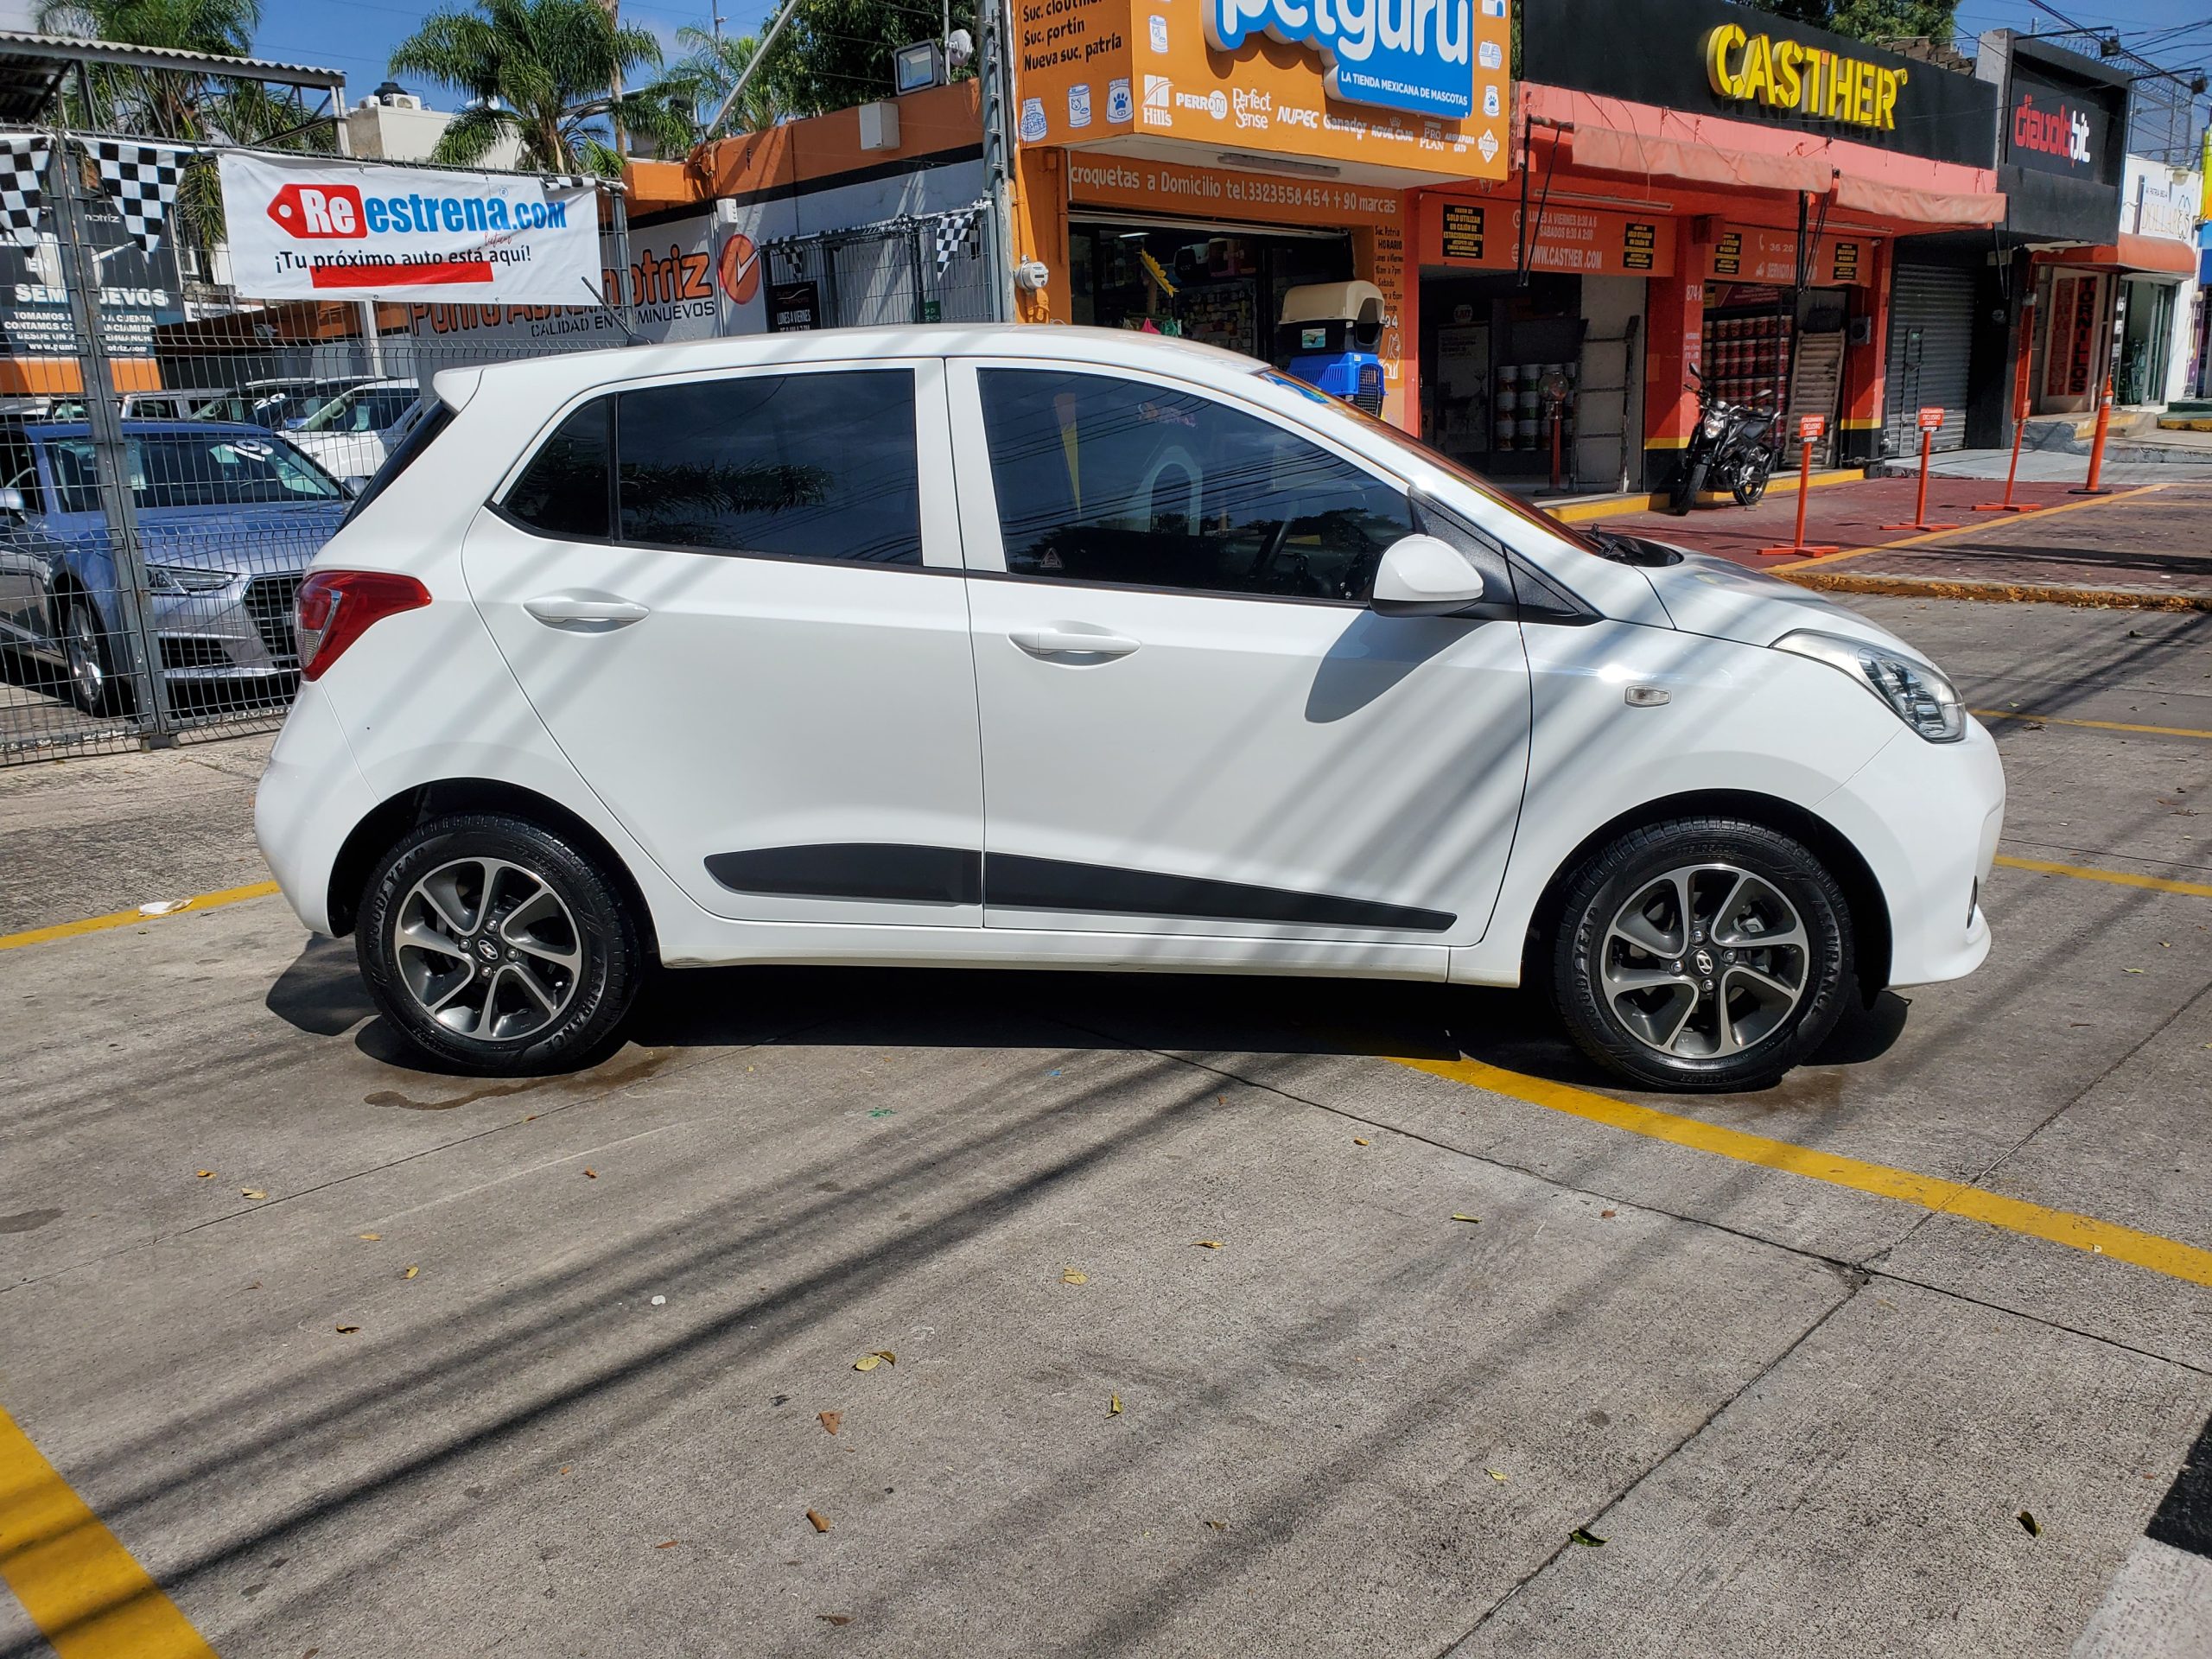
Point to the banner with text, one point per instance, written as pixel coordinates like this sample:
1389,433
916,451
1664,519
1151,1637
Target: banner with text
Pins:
321,229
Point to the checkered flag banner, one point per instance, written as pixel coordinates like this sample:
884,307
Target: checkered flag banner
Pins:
22,194
956,230
141,181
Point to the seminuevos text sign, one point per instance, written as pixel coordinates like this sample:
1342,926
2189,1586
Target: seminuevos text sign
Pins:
320,229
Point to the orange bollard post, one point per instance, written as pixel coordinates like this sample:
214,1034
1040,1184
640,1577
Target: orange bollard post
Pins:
2012,473
2019,418
1931,422
1809,428
2095,486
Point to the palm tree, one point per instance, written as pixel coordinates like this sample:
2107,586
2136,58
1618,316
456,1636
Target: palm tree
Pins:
547,72
714,62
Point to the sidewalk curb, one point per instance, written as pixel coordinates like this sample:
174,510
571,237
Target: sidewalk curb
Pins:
2002,593
1583,512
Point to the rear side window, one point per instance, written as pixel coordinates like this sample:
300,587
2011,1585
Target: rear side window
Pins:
797,465
424,432
563,492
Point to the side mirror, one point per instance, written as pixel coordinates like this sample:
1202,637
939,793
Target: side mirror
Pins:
11,502
1422,576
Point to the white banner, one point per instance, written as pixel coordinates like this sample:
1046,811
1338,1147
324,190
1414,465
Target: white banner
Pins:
324,229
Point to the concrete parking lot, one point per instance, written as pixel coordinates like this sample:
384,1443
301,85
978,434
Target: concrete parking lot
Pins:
1213,1317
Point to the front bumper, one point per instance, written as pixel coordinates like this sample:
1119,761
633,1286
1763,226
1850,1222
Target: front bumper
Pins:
1926,818
240,633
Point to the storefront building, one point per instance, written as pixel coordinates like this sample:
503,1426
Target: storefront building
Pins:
1726,190
1181,166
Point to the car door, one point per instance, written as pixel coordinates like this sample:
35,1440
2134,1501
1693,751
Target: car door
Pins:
1192,724
756,652
24,565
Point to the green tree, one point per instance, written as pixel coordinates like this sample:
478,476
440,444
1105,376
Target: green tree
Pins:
546,71
189,105
713,63
1870,19
836,53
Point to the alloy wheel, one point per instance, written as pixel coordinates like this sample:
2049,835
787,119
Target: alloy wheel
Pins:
81,650
487,948
1705,961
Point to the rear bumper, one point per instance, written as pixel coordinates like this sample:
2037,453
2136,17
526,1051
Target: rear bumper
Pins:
1926,818
311,795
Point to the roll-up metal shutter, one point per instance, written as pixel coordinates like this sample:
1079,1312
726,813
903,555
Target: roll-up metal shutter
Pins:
1931,350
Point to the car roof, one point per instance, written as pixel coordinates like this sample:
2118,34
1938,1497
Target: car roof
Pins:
561,375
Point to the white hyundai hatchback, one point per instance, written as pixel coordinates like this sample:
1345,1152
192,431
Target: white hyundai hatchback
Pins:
1064,648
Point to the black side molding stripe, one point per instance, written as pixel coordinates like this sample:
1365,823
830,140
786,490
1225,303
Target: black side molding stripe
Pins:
1013,882
887,871
894,873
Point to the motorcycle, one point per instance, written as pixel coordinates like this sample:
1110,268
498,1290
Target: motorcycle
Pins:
1734,444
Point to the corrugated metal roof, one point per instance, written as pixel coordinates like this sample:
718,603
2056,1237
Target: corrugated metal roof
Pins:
32,66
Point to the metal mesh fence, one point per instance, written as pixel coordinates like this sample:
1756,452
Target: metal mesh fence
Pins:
174,450
930,268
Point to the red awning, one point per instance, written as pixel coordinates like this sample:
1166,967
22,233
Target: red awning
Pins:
1601,149
1903,203
2154,255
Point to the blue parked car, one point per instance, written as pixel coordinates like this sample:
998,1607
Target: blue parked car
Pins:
229,515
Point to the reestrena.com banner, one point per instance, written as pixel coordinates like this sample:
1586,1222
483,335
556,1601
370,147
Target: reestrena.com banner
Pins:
323,229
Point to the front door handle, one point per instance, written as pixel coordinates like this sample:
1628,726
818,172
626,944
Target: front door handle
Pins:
1072,640
583,612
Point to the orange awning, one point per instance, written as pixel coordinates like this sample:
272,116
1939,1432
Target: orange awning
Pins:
1903,203
1602,150
2155,256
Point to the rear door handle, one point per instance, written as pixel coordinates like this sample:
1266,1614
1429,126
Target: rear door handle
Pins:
1071,640
581,613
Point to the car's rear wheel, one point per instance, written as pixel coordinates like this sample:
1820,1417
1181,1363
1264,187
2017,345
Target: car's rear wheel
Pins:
495,946
1704,954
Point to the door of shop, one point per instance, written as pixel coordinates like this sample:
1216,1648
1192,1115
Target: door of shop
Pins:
1931,353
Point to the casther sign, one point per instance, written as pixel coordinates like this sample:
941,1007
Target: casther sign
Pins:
1708,57
1401,54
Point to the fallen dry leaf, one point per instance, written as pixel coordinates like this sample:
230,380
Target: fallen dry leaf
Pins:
1205,1243
371,1237
1583,1536
828,1618
1607,1215
1359,1142
867,1362
821,1521
2033,1527
205,1174
347,1329
1074,1276
1498,1475
252,1192
591,1174
410,1272
1113,1405
1218,1526
886,1355
830,1419
670,1544
1460,1216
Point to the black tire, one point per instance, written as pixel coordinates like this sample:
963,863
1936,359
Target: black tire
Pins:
1642,862
1687,483
1751,487
597,991
89,661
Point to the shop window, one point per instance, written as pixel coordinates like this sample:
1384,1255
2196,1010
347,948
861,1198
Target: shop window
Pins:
795,466
1104,479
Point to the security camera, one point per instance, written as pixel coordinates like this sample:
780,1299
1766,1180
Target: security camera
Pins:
959,47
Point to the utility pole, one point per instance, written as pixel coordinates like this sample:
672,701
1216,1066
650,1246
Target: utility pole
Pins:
998,150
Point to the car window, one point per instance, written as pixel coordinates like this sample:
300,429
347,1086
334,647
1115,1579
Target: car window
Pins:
802,465
568,488
18,470
367,409
219,469
1100,478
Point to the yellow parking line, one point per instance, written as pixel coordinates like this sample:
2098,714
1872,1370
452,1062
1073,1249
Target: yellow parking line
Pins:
127,918
2117,878
87,1596
2089,725
2162,1256
1825,560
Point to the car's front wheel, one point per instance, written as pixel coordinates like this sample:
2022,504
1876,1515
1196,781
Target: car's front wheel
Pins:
493,945
94,685
1704,954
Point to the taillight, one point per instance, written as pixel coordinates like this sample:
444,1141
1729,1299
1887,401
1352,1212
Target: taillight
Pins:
336,608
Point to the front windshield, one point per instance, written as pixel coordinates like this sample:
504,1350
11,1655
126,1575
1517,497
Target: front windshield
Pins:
366,409
1416,449
181,469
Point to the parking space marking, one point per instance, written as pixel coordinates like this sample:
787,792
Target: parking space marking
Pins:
80,1586
1824,560
126,917
2117,878
2148,1250
2087,725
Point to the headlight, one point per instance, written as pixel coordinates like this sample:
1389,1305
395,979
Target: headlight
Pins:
1716,423
1916,692
187,578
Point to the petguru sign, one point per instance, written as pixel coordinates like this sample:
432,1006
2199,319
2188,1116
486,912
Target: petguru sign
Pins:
317,229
